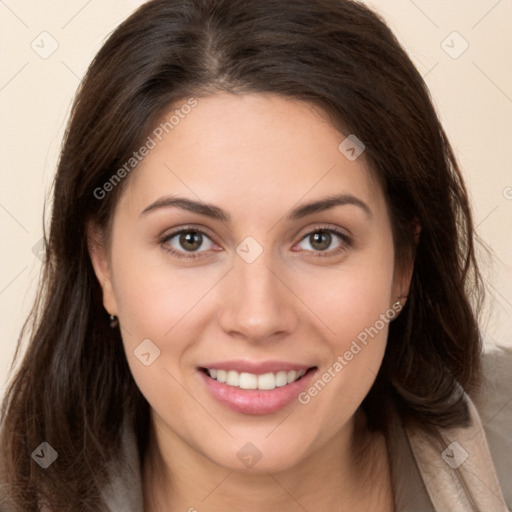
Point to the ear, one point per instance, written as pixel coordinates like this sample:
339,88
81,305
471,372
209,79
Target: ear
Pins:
98,253
403,279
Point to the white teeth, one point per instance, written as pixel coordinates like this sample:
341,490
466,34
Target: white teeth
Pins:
281,379
248,381
264,382
233,378
292,375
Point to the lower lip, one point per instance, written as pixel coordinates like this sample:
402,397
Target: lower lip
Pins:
254,401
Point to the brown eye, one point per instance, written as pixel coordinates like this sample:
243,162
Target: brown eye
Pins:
187,243
321,240
324,242
191,240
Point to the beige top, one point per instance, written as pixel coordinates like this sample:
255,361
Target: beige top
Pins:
460,470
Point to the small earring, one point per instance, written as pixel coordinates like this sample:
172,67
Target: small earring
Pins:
114,322
398,303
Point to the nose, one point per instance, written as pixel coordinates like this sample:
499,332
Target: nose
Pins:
257,305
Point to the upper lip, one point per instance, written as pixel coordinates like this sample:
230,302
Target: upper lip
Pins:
256,367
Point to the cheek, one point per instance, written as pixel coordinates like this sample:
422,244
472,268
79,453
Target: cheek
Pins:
153,310
153,297
354,308
350,298
167,306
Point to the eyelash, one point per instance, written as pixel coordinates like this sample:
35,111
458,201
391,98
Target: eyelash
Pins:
347,243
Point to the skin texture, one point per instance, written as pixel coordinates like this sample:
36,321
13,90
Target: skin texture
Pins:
256,157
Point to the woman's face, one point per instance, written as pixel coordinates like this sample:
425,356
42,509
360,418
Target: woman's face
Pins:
269,279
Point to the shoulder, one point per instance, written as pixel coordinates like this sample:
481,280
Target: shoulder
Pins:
123,490
493,401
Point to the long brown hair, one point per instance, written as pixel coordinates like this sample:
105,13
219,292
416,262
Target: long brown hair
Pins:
73,387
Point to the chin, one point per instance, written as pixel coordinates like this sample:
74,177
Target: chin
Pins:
259,455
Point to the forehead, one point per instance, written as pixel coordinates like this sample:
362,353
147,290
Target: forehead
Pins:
247,152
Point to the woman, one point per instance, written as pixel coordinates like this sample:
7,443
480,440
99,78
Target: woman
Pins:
257,291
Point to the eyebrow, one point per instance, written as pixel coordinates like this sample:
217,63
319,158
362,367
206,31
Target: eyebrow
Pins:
217,213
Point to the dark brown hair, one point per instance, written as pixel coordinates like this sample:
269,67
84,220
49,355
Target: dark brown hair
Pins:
73,386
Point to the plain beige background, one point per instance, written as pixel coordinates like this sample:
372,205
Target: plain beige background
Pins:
461,47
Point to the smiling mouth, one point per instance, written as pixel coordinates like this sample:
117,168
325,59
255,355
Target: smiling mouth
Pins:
263,382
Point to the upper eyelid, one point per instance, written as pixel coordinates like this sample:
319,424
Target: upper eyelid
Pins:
173,232
325,227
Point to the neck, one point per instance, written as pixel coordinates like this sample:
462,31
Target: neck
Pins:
346,474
